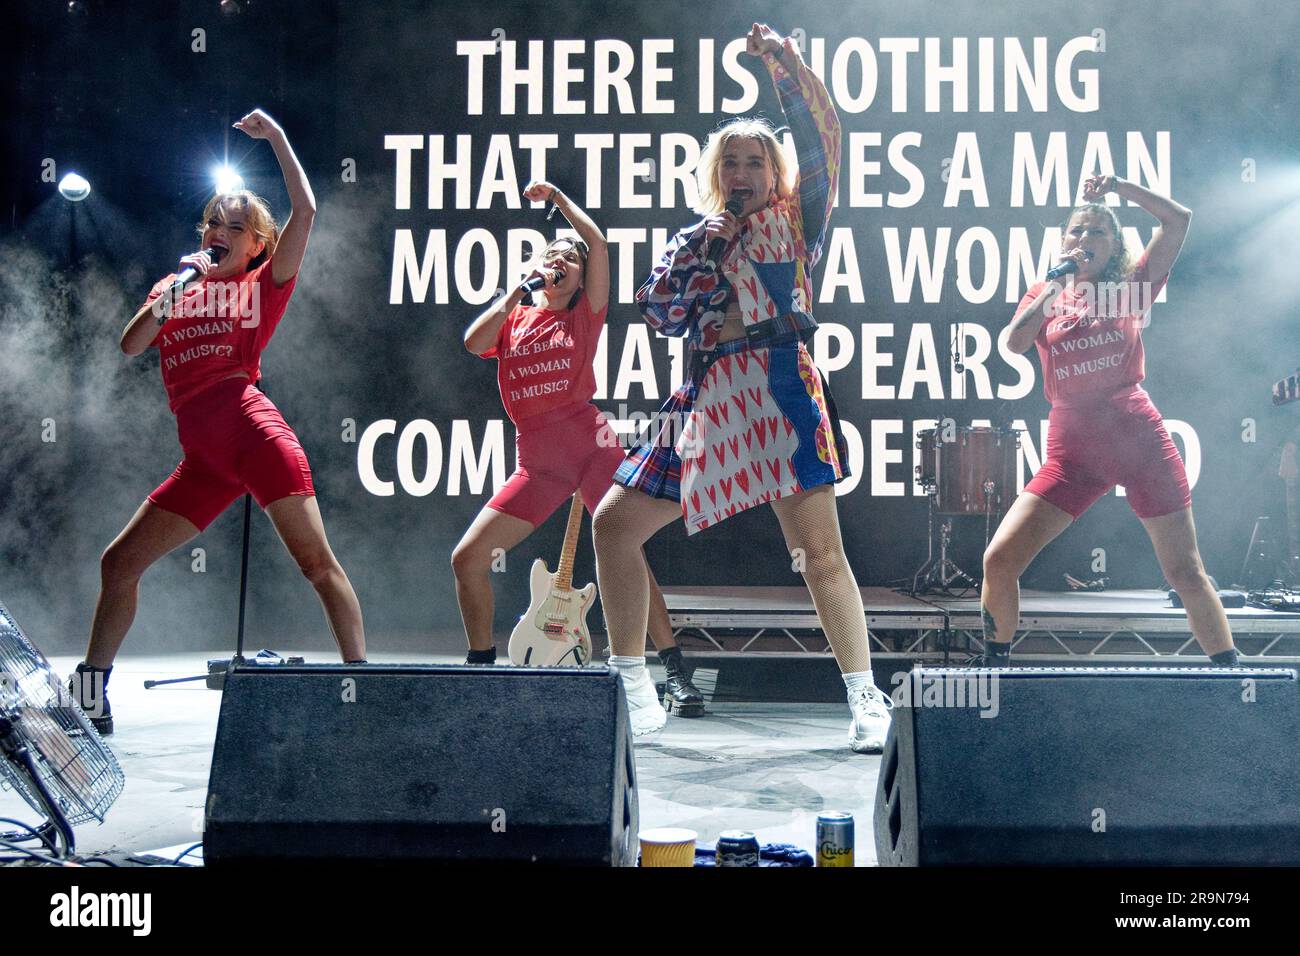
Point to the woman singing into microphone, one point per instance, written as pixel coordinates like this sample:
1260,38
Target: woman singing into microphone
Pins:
1104,430
210,338
754,422
544,344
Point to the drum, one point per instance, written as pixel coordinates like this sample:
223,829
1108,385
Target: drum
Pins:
975,473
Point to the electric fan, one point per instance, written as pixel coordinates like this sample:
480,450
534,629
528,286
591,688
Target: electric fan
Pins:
49,752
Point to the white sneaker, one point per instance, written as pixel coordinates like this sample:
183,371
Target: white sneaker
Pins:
871,720
644,710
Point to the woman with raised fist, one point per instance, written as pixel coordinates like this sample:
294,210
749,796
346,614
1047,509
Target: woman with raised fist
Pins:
1086,318
754,422
210,334
543,335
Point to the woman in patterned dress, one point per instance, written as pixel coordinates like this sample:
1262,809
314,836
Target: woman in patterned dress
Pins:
754,422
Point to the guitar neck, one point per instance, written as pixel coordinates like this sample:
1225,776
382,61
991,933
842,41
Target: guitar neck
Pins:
1292,520
1287,389
564,573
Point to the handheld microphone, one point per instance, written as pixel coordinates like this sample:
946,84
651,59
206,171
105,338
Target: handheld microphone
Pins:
189,272
539,282
735,206
1067,267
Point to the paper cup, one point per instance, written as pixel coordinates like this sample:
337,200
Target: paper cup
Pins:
668,846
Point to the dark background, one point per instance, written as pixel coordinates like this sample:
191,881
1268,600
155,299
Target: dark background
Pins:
114,91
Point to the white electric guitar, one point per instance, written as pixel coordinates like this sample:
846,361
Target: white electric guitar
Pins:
1290,475
553,631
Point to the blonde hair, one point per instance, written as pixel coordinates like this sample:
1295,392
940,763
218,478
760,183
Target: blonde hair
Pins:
711,200
257,217
1120,266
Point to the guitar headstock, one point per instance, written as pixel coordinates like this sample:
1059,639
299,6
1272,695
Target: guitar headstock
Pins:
1287,389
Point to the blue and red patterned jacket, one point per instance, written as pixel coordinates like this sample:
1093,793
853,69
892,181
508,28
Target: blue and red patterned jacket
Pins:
769,265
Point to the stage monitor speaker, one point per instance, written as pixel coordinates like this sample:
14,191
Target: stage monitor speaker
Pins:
1091,766
445,764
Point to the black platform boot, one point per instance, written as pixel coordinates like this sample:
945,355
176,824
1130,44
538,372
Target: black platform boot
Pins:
681,697
996,654
89,688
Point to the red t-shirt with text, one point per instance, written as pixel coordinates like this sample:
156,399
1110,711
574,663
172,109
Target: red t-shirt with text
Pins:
1091,344
217,328
544,358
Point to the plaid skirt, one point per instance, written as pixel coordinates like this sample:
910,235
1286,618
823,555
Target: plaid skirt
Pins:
758,423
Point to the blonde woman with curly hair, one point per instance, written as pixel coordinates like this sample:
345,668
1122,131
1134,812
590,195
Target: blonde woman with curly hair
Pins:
754,422
1104,430
210,335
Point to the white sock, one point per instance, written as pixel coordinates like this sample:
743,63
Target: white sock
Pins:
632,669
857,682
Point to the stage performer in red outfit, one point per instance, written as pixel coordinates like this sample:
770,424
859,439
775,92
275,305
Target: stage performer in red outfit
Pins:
1104,431
544,343
210,337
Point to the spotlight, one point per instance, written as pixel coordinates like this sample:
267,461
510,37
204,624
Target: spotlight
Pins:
230,8
227,180
74,187
77,8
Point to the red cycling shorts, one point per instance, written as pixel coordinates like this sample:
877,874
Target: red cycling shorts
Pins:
1116,440
573,450
235,440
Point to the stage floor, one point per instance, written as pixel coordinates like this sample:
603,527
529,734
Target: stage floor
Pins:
769,768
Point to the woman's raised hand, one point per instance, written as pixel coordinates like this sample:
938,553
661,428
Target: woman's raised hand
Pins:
763,39
538,191
1095,187
258,125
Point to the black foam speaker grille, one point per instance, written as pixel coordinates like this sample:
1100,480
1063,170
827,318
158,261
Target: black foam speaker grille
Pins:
1108,766
414,762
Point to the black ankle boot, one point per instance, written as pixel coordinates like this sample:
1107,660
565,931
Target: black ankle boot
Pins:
488,656
89,688
996,654
681,697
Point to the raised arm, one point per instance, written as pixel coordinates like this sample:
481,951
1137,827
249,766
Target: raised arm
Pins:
292,244
1163,249
814,125
596,278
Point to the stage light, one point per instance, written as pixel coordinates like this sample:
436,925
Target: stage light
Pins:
227,180
230,8
74,187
